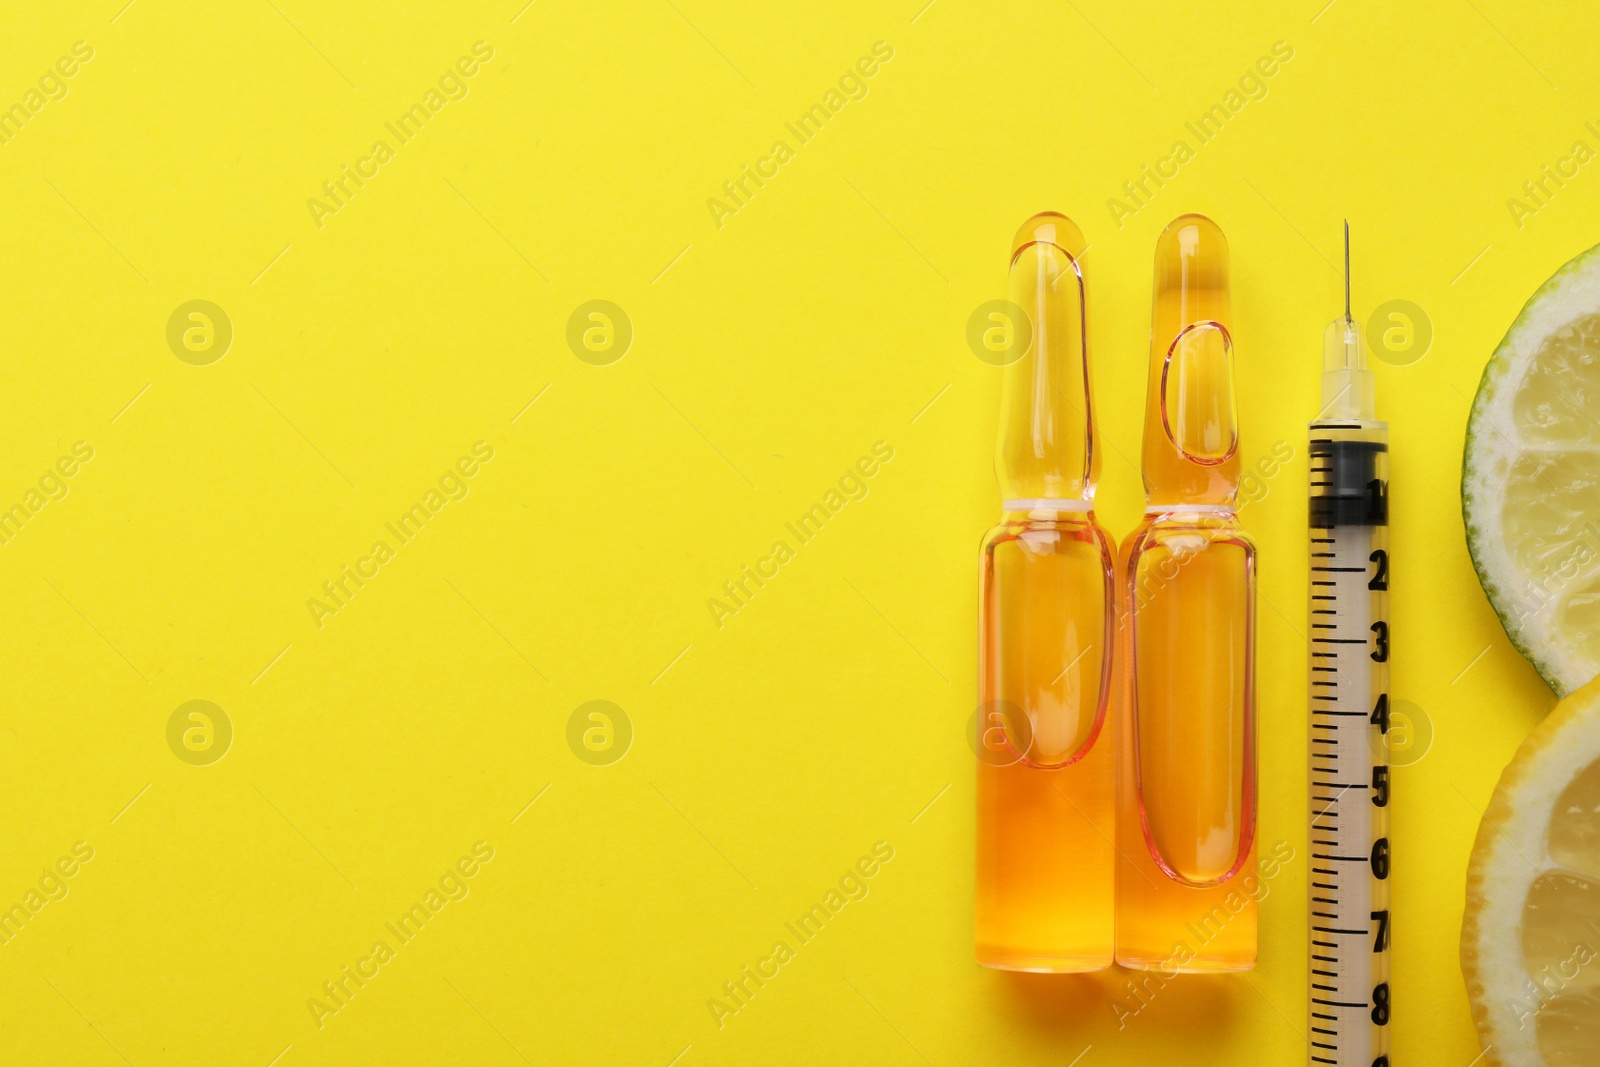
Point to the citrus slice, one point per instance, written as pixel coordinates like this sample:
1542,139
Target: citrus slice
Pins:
1530,941
1530,478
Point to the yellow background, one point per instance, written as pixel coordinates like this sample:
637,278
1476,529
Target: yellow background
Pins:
768,355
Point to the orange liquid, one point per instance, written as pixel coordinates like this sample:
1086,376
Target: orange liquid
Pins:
1045,746
1186,880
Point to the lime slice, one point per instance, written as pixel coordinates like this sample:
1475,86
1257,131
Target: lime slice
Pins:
1530,478
1530,939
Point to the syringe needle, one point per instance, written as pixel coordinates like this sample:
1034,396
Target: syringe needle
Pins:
1347,270
1346,382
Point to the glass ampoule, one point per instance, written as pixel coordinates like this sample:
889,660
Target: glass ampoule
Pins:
1187,887
1046,754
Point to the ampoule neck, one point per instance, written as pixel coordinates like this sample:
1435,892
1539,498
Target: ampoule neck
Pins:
1190,512
1054,510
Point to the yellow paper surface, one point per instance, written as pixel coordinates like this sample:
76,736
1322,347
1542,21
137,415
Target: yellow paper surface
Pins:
780,343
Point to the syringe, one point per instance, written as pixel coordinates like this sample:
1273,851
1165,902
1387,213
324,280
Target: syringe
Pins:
1349,906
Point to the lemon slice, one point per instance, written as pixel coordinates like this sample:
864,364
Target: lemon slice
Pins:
1530,478
1530,942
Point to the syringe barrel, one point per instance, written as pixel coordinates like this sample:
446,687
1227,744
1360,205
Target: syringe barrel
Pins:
1350,716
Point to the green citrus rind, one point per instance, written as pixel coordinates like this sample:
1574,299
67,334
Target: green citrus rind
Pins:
1570,292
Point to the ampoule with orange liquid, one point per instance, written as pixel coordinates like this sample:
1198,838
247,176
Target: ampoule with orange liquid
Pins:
1045,748
1187,887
